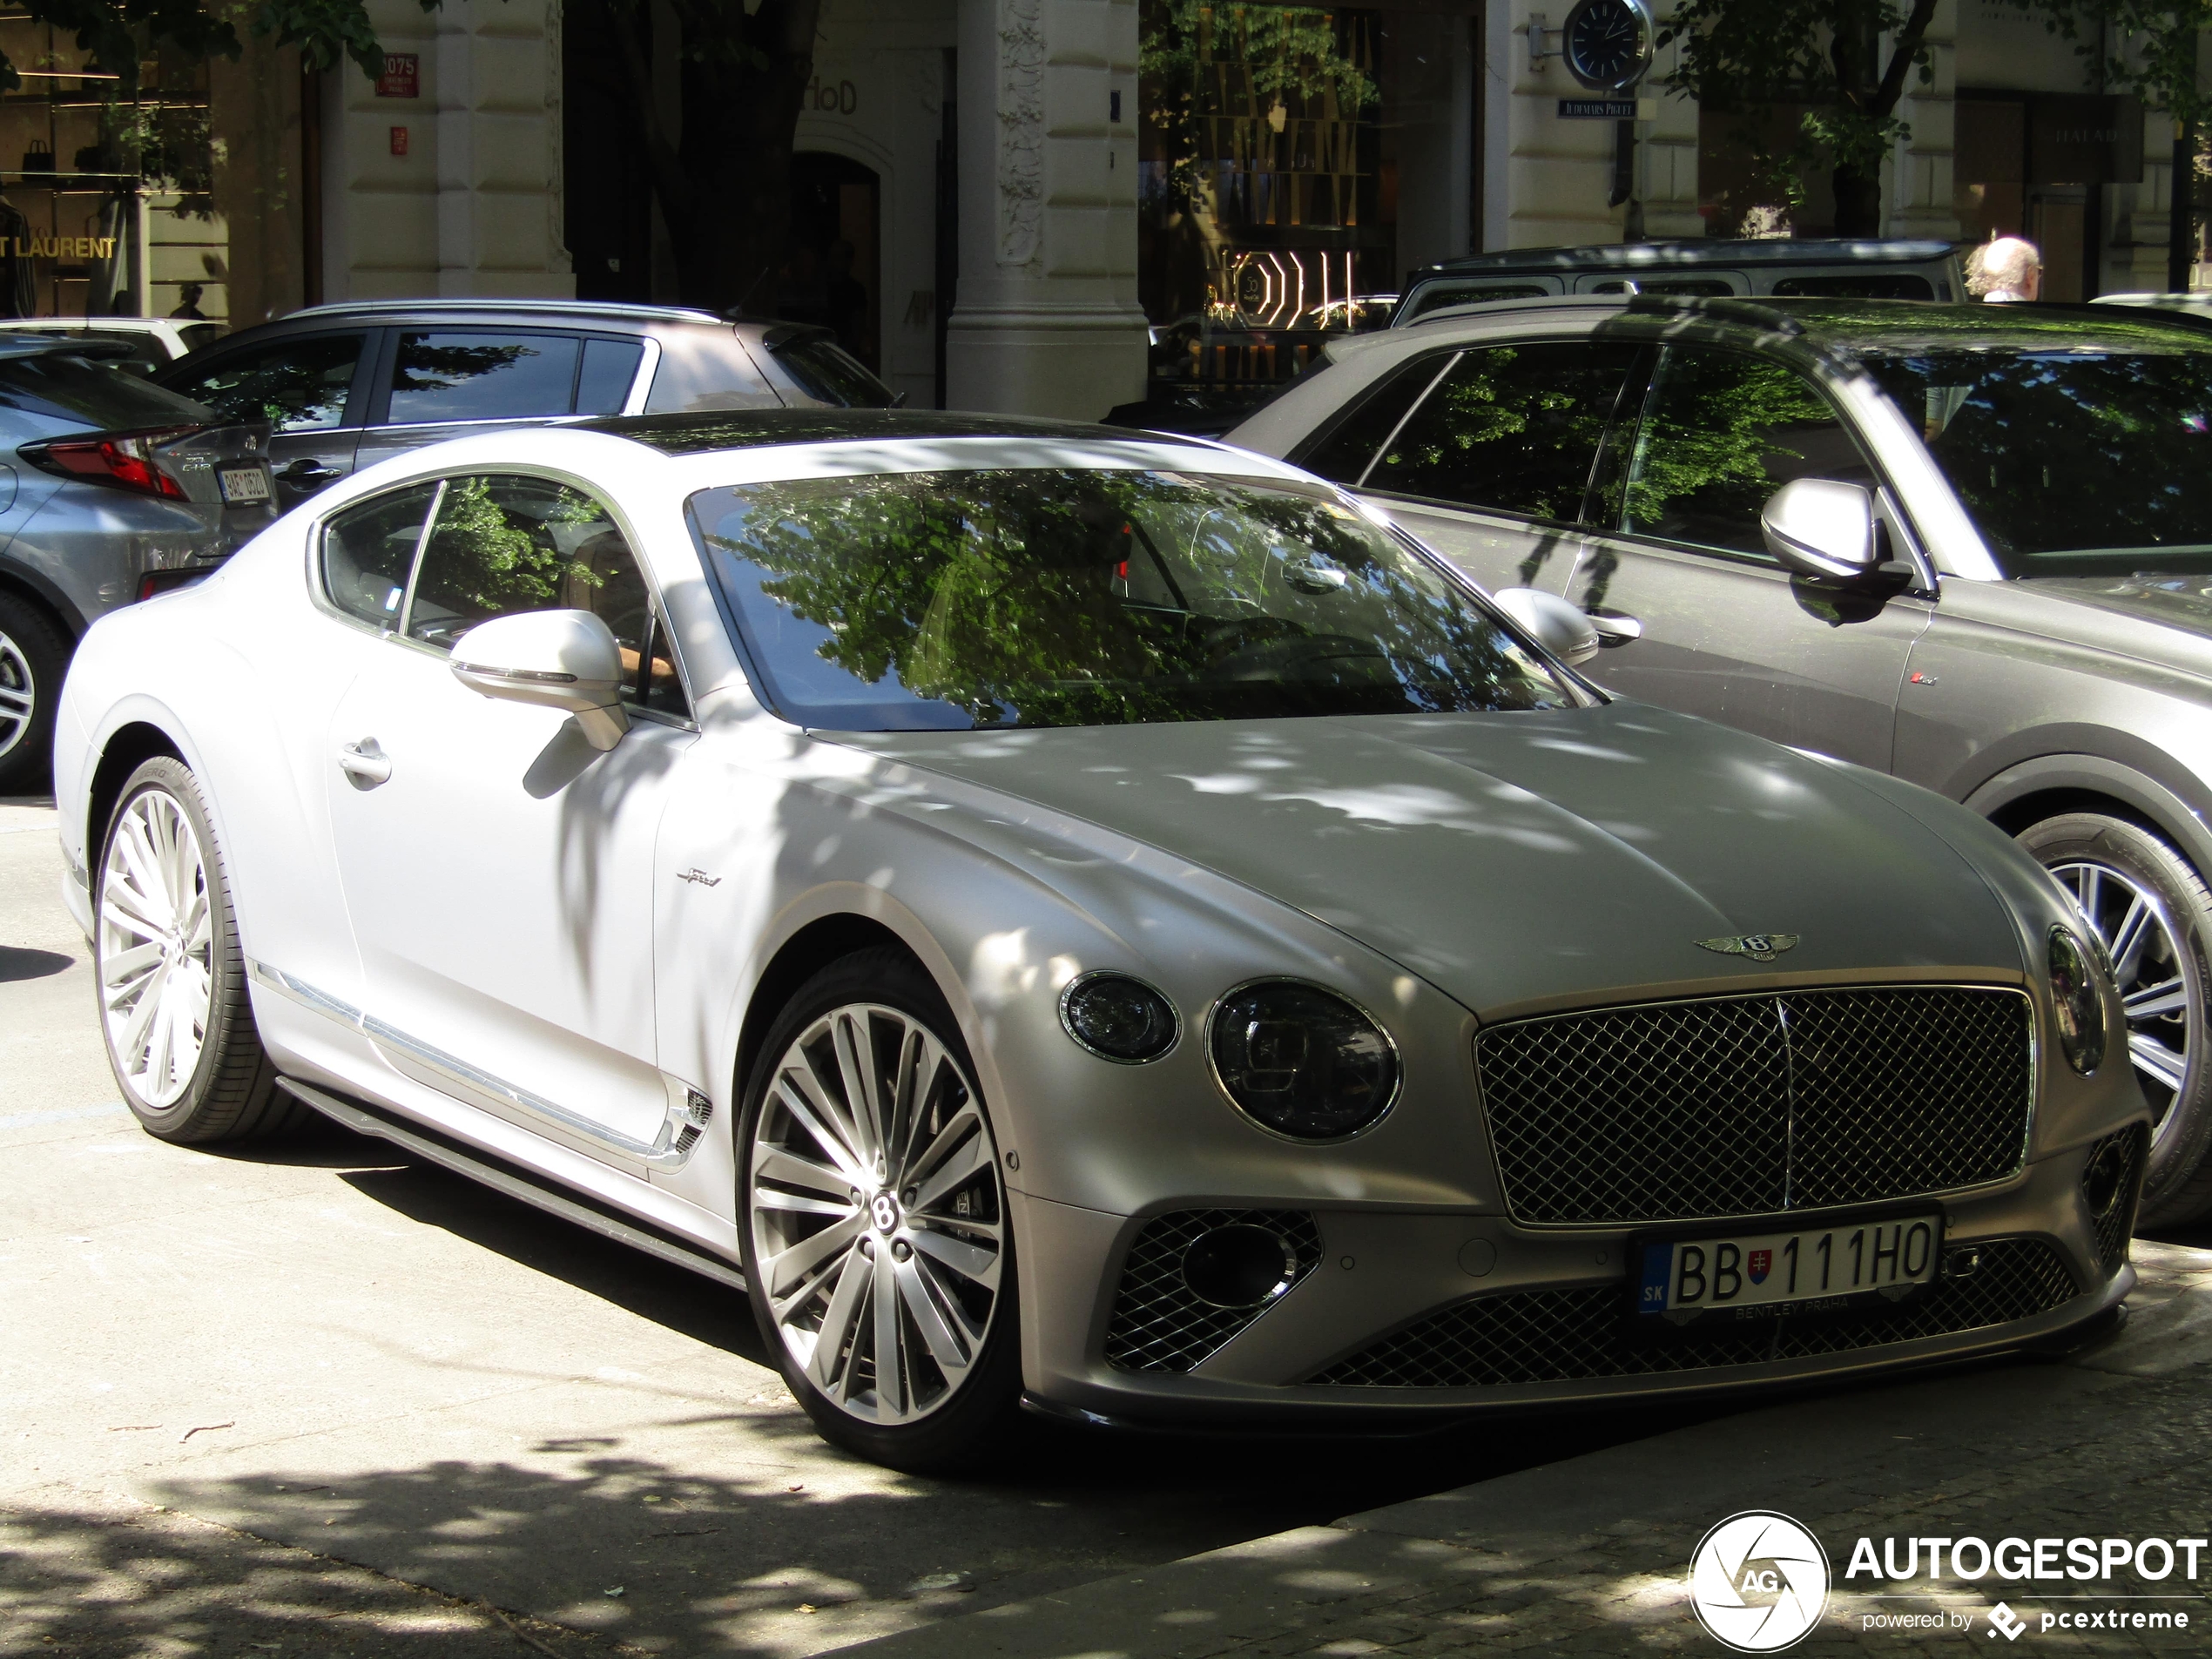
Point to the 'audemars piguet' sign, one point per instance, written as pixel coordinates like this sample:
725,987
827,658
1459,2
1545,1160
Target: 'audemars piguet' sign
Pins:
63,248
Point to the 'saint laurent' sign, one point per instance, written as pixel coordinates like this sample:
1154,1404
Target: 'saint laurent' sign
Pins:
63,247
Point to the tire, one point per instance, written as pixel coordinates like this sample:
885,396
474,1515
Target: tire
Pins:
34,655
912,1182
173,1007
2154,914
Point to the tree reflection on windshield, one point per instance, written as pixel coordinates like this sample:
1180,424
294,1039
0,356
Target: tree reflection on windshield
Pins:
1065,597
2070,462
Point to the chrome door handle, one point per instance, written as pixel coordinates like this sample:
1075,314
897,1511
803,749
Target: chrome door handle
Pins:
309,472
365,764
1614,628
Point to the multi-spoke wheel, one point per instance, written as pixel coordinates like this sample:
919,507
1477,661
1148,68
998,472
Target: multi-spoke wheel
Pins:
32,656
180,1035
2153,913
876,1238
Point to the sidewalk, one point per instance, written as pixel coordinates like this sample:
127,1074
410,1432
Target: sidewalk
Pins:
1591,1556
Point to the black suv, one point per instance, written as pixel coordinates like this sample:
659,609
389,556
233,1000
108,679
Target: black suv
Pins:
347,385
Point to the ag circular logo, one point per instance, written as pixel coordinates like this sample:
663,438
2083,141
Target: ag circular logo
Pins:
1759,1581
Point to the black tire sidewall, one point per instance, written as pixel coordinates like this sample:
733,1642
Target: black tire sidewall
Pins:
966,1431
46,651
2149,860
186,1120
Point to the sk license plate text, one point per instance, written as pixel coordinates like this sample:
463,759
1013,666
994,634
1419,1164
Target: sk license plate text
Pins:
1761,1274
244,483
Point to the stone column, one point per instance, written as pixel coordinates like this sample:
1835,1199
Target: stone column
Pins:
1917,193
499,151
1047,322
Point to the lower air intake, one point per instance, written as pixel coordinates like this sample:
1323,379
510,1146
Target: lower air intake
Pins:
1160,1321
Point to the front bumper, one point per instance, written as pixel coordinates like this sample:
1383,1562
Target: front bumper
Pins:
1395,1314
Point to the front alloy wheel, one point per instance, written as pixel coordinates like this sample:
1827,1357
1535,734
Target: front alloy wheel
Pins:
878,1248
2150,910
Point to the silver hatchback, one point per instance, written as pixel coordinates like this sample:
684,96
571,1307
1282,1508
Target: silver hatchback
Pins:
1970,546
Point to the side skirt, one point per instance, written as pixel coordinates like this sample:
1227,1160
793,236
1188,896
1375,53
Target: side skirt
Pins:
516,1182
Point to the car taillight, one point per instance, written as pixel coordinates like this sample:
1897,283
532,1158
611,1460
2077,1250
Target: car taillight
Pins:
121,460
155,582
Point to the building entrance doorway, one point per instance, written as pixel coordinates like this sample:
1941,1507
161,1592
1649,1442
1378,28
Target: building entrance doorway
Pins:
833,276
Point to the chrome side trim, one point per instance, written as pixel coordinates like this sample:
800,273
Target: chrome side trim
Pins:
370,1124
670,1149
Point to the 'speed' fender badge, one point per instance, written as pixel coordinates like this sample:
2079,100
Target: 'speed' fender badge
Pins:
706,881
1760,947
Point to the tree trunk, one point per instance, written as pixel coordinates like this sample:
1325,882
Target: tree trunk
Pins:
1858,201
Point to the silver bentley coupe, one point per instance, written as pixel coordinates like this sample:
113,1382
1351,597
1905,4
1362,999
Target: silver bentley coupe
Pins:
1100,922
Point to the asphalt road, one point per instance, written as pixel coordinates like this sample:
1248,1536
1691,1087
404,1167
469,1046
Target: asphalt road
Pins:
325,1399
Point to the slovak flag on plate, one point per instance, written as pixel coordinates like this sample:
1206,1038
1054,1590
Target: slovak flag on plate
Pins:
1758,1264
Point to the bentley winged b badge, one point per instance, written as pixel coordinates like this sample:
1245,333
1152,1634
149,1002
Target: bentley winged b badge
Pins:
1760,947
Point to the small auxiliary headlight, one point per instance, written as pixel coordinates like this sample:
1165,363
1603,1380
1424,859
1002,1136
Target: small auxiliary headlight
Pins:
2077,997
1118,1018
1302,1060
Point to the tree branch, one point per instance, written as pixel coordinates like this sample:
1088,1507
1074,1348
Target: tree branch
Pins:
1909,40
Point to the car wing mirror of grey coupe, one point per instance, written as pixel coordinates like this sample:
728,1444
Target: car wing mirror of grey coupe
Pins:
1559,627
558,660
1822,529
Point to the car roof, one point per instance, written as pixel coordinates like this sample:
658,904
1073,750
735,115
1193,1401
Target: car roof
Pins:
1629,256
1846,327
552,310
700,433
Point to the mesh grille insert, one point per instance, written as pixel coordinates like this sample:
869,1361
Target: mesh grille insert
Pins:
1751,1105
1579,1334
1159,1323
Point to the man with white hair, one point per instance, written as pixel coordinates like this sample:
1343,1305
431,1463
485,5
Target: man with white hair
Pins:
2007,269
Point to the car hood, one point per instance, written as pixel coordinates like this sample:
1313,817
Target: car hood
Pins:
1527,859
2175,601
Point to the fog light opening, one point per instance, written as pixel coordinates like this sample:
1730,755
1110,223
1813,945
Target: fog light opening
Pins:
1962,1263
2105,1180
1238,1266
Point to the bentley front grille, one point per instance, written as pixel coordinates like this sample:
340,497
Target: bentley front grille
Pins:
1159,1322
1751,1105
1581,1334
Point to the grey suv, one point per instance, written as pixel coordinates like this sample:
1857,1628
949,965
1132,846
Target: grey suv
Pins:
1968,545
347,385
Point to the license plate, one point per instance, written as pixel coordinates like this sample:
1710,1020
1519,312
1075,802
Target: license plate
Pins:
1810,1270
244,483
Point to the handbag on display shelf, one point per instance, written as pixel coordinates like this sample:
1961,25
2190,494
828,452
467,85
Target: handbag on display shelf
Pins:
39,157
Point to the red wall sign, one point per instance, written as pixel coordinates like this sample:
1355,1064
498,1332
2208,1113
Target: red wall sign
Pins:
399,141
402,75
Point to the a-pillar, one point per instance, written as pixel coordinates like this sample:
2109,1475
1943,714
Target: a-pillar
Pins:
1046,320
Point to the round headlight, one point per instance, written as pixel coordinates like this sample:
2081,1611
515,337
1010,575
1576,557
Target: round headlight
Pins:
1118,1018
2077,994
1302,1060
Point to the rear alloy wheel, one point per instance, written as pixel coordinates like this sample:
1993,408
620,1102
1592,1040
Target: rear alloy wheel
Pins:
2153,913
173,1007
33,656
877,1243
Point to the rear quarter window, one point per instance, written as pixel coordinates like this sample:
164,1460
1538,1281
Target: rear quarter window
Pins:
703,369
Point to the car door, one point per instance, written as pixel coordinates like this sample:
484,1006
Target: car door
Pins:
312,388
446,382
497,869
1486,453
1726,631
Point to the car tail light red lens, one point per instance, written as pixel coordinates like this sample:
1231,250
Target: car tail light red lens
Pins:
155,582
121,460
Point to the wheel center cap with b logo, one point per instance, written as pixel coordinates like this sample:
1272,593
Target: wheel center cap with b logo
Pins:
883,1212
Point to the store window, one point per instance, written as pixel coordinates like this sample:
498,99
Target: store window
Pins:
1267,210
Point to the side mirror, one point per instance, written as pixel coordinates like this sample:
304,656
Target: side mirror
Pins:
1559,628
557,659
1822,529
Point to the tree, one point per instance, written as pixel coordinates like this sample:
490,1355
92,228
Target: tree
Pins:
723,177
1847,60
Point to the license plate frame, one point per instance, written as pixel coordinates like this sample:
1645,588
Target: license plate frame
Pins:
253,494
1836,1303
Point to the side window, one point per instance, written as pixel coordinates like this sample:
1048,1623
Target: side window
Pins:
1511,429
368,551
1723,431
298,384
500,544
1345,455
451,375
603,386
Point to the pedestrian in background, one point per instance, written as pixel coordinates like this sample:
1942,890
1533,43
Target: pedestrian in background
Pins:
2006,270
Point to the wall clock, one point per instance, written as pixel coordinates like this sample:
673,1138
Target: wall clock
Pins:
1607,44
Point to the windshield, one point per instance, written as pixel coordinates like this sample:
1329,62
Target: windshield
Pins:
1035,597
2070,462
